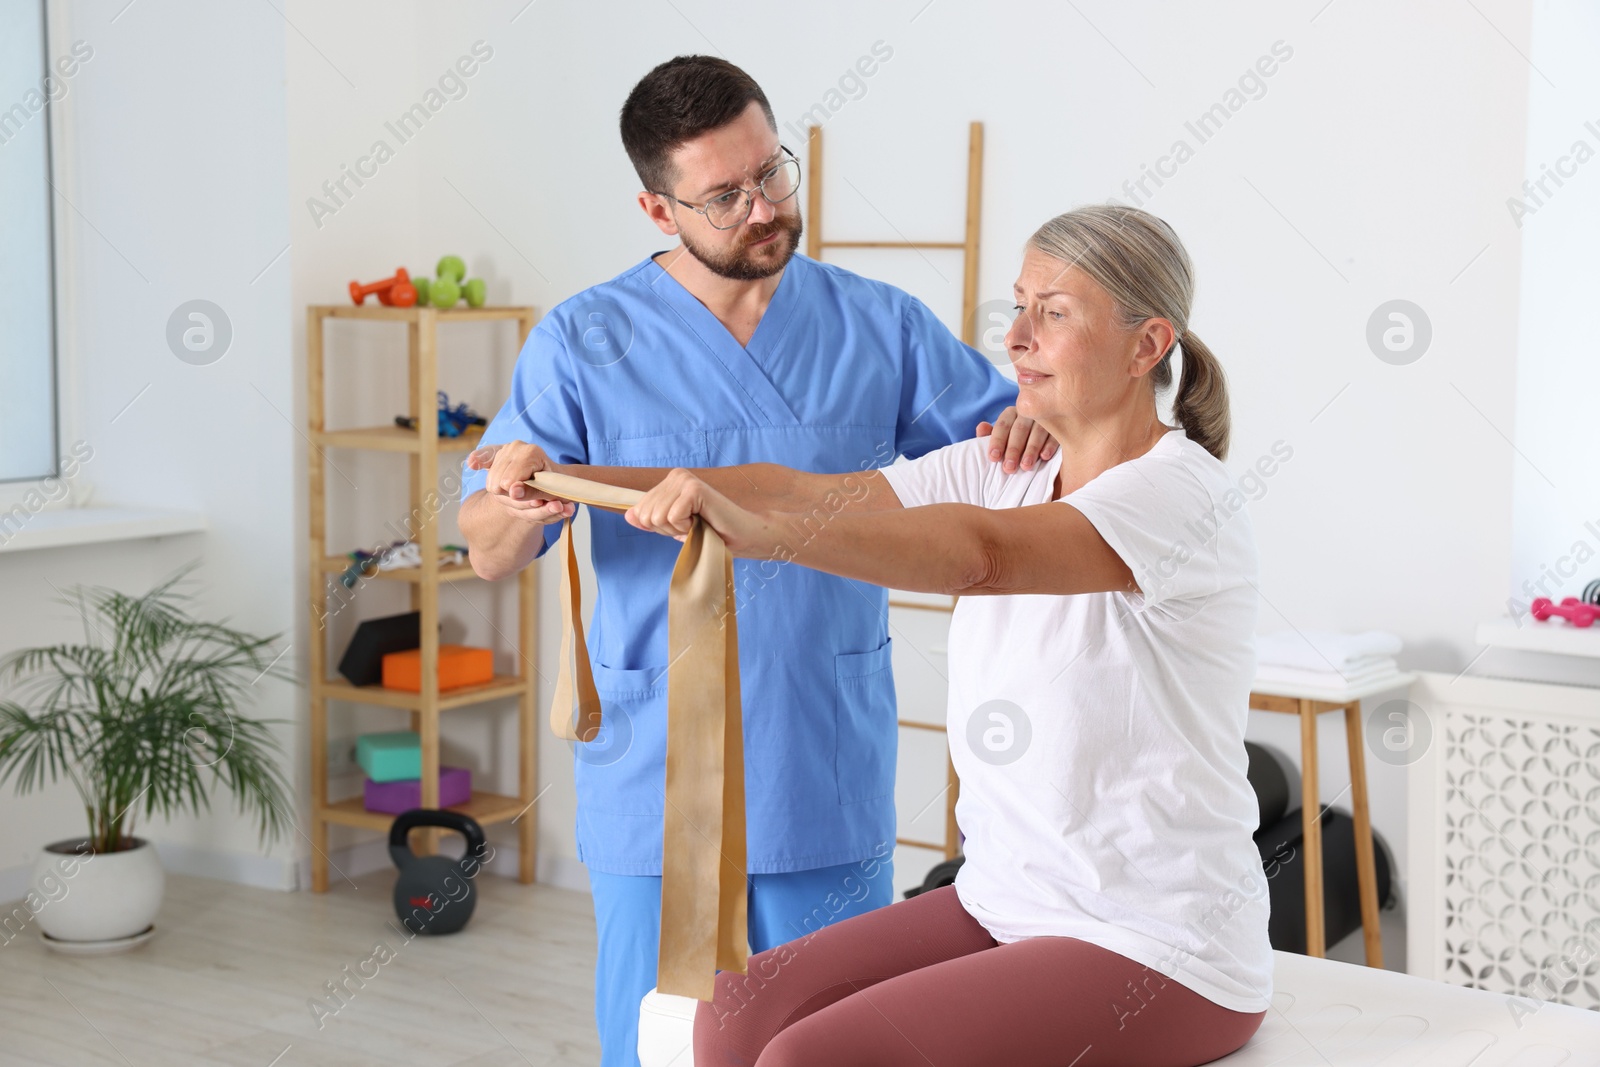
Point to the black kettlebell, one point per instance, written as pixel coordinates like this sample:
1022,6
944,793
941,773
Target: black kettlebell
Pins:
435,894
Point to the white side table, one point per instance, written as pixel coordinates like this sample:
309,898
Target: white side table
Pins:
1308,702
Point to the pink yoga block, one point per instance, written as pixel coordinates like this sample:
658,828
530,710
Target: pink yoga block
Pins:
391,798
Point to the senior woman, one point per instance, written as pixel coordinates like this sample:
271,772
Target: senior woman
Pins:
1112,906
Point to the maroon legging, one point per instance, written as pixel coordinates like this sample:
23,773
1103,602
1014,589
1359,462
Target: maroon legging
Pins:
921,983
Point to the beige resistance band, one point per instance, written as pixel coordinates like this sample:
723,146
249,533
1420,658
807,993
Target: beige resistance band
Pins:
703,919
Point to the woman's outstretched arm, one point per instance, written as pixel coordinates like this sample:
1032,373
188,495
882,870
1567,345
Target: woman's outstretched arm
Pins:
758,486
959,549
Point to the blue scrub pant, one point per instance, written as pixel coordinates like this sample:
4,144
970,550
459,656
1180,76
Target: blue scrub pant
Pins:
782,907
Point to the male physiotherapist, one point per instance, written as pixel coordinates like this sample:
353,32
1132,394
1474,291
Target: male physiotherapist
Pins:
728,348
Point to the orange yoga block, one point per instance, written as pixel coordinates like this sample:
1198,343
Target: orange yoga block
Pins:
459,665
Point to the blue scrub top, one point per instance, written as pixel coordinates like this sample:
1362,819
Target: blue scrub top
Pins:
843,373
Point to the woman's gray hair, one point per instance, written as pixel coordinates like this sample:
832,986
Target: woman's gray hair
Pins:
1138,259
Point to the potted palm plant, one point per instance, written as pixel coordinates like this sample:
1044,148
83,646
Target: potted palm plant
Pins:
134,716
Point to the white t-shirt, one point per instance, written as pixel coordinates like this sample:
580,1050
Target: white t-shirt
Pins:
1099,737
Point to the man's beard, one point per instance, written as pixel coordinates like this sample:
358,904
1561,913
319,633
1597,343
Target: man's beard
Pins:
743,265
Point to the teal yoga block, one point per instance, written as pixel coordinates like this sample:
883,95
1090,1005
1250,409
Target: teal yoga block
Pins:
390,757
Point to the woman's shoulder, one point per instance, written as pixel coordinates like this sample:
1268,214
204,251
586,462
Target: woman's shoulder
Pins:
966,457
963,472
1183,459
1174,467
1176,484
1222,498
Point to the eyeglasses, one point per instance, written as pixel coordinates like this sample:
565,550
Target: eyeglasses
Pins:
733,207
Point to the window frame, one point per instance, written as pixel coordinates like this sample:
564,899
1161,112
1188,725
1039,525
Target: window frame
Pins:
14,491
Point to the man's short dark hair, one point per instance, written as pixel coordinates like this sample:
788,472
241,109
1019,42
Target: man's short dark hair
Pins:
677,102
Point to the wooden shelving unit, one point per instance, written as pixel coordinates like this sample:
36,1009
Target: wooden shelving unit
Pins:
424,446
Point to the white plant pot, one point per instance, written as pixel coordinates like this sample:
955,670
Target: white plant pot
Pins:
96,897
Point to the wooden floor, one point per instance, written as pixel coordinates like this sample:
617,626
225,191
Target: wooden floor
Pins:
230,972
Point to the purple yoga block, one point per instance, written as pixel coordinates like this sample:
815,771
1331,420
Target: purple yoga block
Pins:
391,798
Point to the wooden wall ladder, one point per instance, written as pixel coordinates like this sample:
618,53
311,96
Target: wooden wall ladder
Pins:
968,245
816,244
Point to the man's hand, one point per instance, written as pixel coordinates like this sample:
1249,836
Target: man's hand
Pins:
1016,439
510,466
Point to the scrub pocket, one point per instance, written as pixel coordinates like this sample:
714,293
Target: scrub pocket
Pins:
623,771
689,449
866,720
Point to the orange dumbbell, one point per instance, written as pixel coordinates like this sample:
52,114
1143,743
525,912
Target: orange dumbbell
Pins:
391,292
400,294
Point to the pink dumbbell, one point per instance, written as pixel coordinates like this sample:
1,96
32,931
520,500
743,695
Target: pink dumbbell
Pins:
1571,608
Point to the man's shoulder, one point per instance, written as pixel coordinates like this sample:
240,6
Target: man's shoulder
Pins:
613,293
856,286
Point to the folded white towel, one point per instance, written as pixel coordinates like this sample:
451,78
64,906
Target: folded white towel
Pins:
1379,669
1365,667
1325,650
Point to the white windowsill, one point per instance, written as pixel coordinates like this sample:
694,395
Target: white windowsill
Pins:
87,526
1553,635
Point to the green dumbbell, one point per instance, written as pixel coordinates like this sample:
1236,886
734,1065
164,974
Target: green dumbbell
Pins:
476,291
452,267
444,292
421,285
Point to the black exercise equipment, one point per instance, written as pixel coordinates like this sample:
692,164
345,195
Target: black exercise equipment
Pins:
1271,784
942,874
435,894
1283,860
362,663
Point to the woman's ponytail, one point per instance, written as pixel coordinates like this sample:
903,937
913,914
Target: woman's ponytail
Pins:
1201,406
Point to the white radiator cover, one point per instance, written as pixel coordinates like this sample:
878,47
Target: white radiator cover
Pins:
1504,819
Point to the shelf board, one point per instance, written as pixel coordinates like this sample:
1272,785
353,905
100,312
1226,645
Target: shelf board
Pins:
394,439
379,313
486,808
448,572
1556,636
501,685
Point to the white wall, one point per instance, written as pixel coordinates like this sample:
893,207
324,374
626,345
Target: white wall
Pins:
1375,166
